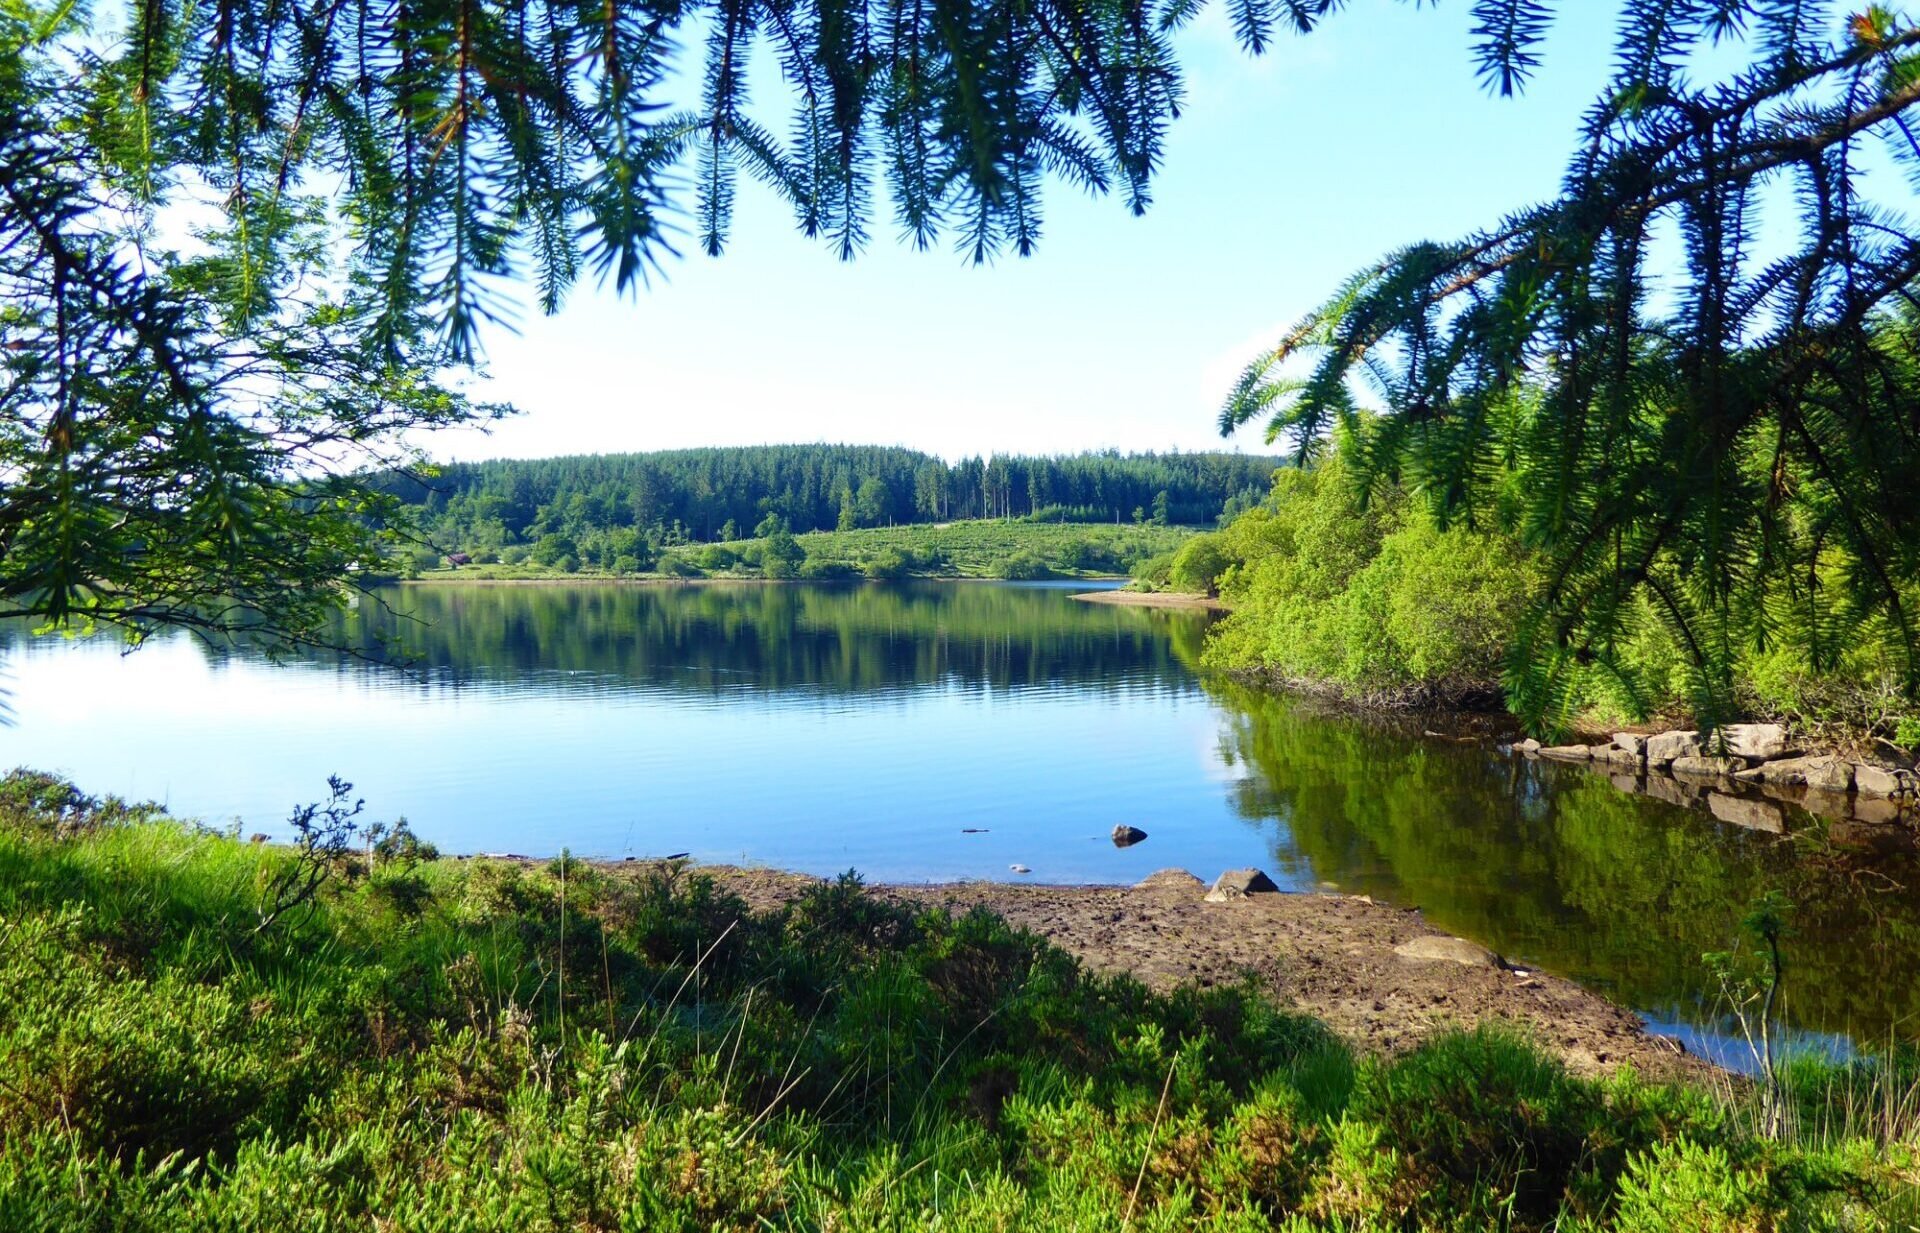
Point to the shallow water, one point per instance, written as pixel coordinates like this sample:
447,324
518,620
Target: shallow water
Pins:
950,730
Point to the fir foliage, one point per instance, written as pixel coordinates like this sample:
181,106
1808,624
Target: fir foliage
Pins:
1631,382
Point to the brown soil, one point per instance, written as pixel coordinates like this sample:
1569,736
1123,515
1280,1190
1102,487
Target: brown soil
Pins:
1328,955
1155,599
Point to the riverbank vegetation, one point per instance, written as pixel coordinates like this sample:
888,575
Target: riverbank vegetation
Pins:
1342,581
1013,549
430,1043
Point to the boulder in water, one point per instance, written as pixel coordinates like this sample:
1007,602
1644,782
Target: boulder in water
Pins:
1237,884
1125,836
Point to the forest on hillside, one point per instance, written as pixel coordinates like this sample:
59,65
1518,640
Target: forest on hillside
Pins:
702,495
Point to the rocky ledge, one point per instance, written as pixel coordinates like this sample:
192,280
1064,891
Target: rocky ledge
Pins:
1743,772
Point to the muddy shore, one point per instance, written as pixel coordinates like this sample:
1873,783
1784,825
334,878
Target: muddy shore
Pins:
1329,955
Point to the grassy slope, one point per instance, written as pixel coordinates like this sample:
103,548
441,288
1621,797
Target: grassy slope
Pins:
464,1044
968,549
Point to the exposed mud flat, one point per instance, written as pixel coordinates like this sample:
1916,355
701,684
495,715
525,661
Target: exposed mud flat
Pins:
1331,956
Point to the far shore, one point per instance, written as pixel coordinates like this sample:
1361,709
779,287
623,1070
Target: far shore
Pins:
444,577
1157,599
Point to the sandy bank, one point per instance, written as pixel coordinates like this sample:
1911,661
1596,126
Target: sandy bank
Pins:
1154,599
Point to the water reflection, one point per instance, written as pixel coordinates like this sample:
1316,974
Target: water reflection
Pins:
1556,865
948,730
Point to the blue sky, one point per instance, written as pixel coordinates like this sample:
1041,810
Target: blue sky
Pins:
1287,172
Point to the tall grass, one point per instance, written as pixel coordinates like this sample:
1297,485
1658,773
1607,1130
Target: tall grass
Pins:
409,1057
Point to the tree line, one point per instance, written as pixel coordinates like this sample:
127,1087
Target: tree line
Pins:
718,494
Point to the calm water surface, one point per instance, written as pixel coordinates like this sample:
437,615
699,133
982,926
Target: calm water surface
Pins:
822,728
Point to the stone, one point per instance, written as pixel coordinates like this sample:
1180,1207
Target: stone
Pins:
1762,741
1567,753
1125,836
1707,768
1876,810
1626,781
1019,868
1633,742
1237,884
1527,746
1870,780
1667,746
1439,948
1827,804
1824,773
256,837
1170,879
1615,755
1748,811
1673,792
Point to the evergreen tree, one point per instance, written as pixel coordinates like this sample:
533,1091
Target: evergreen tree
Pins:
182,428
1680,421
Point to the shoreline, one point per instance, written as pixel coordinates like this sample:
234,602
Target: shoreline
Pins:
1174,600
1336,957
450,579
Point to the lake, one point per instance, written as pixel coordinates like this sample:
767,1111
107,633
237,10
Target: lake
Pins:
943,730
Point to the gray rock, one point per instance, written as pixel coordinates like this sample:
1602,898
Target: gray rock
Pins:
1826,774
1019,868
1667,746
1626,781
1673,792
1751,812
1239,884
1633,742
1615,755
1439,948
1171,879
1527,746
1876,810
1869,780
1763,741
1707,768
1827,804
1567,753
1125,836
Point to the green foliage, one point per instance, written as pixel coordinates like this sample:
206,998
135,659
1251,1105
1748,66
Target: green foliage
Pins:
517,1046
618,503
1020,567
1373,599
984,548
1678,424
1198,564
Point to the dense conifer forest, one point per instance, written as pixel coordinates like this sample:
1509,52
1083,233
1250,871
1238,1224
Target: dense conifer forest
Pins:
701,495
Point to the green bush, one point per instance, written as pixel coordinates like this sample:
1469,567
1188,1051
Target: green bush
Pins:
888,563
825,569
1198,565
1021,567
500,1045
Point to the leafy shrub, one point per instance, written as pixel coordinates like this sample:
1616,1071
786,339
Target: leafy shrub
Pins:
887,563
825,569
1153,573
674,565
1197,566
1021,567
712,557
